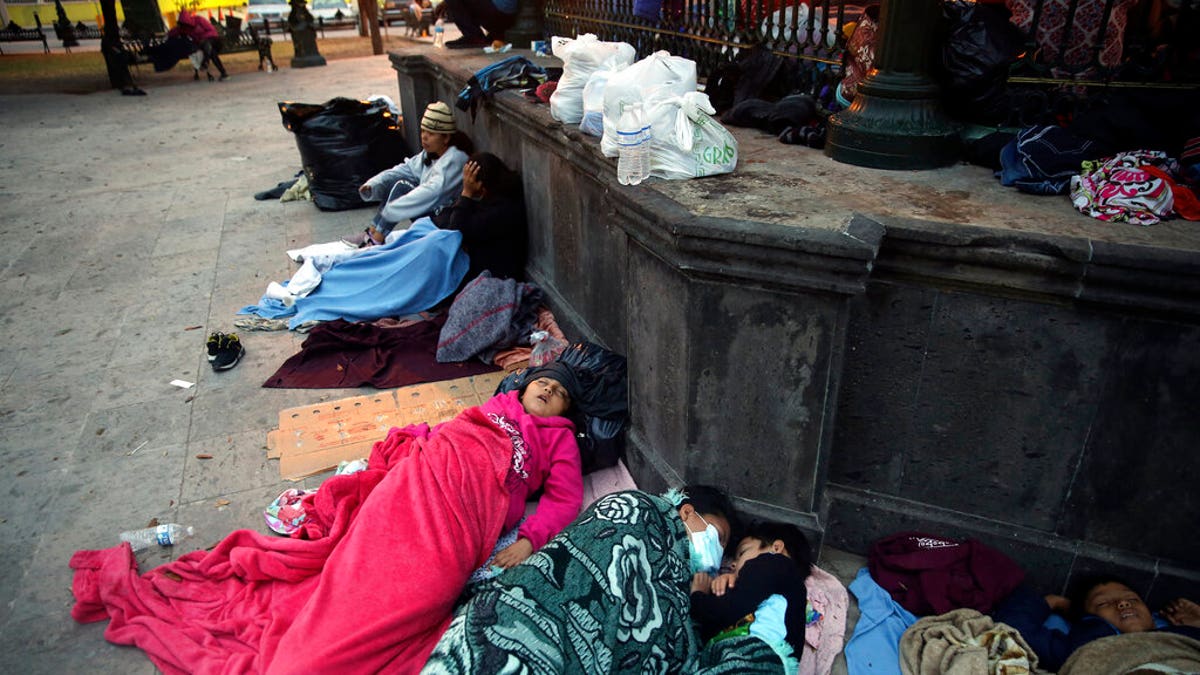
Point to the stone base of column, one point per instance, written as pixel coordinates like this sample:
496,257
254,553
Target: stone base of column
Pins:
895,122
308,61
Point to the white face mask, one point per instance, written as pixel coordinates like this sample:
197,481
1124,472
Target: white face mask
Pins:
706,549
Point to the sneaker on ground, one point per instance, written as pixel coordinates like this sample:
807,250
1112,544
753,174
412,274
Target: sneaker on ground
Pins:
214,345
230,352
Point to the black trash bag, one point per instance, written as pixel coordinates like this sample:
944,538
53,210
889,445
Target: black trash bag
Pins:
980,46
342,143
601,411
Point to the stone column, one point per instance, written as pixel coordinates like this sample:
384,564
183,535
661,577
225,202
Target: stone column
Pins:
896,120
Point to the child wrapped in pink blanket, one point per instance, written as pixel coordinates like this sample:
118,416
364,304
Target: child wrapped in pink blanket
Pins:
369,583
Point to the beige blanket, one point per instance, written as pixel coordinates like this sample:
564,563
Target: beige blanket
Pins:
964,642
1159,651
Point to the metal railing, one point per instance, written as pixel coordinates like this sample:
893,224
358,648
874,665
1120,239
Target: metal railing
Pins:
1073,50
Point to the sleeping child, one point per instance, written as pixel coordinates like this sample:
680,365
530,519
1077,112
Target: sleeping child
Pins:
764,596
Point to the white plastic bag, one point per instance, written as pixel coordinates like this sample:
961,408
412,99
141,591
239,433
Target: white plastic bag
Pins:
581,57
593,103
657,77
688,141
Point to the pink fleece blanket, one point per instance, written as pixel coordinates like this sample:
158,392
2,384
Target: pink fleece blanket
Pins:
370,589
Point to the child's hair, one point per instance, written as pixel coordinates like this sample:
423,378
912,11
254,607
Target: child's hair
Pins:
710,499
792,537
1081,587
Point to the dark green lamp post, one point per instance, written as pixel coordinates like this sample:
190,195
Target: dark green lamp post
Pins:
896,119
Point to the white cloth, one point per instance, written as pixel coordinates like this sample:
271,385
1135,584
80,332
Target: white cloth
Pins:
333,248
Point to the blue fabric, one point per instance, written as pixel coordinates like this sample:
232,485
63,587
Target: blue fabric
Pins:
1042,160
412,273
875,645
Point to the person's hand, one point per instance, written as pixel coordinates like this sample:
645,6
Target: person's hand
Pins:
514,553
365,191
1182,612
701,582
472,187
1058,603
723,583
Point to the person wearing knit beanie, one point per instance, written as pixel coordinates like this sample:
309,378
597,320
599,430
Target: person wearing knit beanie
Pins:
420,185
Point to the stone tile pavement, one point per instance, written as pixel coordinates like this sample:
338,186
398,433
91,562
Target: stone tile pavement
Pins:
129,233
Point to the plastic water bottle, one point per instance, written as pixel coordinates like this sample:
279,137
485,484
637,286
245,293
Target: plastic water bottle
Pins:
163,535
439,34
644,145
632,162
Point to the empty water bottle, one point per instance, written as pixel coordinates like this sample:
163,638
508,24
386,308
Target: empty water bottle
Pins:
439,33
168,534
633,146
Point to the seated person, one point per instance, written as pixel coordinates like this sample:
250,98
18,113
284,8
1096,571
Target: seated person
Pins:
764,596
419,185
1099,606
490,214
474,16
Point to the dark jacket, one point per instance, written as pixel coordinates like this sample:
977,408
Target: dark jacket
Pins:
759,579
494,234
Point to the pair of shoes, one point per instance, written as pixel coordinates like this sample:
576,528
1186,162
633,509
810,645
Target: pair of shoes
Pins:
360,240
468,43
224,350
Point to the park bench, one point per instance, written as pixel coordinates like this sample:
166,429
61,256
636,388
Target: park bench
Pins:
233,40
14,33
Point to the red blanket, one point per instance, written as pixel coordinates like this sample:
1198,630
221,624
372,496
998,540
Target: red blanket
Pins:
371,589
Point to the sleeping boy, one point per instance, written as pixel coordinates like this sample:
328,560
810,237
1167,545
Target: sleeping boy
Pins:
764,596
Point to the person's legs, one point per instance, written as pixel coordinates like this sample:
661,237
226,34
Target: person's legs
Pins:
214,54
471,17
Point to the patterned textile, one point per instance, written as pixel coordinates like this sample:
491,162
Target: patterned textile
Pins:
608,594
1086,30
1119,189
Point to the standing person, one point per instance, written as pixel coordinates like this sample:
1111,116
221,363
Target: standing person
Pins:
764,595
490,214
204,34
420,185
474,16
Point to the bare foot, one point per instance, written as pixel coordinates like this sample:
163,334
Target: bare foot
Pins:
1182,612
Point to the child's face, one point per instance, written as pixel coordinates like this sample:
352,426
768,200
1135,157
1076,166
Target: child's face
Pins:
545,397
750,548
1121,606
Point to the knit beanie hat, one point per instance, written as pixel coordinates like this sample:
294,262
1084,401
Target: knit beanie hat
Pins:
438,118
562,372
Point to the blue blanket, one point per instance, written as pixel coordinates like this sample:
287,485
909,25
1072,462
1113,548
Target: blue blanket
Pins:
412,273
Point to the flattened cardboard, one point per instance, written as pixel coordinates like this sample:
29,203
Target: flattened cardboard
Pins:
314,438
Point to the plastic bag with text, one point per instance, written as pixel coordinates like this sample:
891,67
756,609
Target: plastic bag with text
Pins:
687,141
657,77
581,57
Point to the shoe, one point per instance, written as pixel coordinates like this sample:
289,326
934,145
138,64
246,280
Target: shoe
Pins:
210,76
468,43
223,77
132,91
229,353
359,240
214,345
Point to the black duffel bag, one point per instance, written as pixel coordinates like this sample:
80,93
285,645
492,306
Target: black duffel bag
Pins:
342,143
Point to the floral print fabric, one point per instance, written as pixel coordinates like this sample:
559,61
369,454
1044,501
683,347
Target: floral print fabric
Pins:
1120,189
608,594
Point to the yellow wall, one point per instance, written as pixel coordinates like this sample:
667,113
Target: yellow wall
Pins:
89,12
